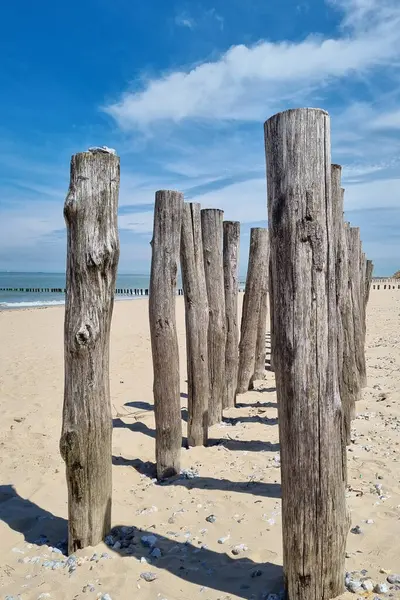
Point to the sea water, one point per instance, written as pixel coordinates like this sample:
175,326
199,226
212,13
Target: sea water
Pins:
51,280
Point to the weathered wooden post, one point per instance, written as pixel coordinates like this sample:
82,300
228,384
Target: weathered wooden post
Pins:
357,300
164,342
257,267
231,260
212,233
368,279
345,335
363,306
92,258
259,363
271,314
196,317
304,296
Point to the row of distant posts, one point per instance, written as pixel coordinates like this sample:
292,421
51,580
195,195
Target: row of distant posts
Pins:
319,282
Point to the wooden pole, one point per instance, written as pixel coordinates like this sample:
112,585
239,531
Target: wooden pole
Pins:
212,233
231,260
196,317
351,371
368,280
164,342
90,213
357,300
363,306
258,265
271,314
345,349
259,363
304,296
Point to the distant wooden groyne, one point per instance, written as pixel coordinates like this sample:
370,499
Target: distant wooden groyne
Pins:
118,291
385,283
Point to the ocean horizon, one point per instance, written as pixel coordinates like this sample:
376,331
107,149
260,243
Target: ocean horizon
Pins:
39,280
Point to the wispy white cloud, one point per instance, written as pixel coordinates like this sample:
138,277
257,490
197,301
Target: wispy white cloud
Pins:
247,81
388,120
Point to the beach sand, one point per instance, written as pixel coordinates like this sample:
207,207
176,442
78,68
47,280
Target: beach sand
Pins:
238,478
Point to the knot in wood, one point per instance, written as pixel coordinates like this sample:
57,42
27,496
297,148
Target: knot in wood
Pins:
311,232
70,205
84,335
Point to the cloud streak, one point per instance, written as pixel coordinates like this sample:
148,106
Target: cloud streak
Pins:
248,80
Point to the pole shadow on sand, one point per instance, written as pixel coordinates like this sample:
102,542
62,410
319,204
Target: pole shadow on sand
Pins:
197,565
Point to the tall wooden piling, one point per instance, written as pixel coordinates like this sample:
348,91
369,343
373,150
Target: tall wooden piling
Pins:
212,234
314,519
196,317
92,257
257,268
231,283
358,301
368,280
363,306
345,334
164,342
259,362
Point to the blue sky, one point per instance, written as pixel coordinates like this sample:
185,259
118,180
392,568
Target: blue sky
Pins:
181,90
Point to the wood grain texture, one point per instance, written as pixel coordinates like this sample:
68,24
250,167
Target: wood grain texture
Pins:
212,233
259,363
231,282
368,280
363,307
164,342
271,314
357,301
314,518
257,268
196,318
347,386
90,213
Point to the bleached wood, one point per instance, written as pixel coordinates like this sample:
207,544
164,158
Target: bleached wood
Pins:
249,326
196,318
347,375
164,342
259,363
212,234
231,283
314,519
92,257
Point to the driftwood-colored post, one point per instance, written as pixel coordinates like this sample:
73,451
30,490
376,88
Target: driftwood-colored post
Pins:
257,268
164,342
90,213
259,363
352,328
212,233
271,315
196,318
363,306
358,301
345,334
304,296
231,282
368,280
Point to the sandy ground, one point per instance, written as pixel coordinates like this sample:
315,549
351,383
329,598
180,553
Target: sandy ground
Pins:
238,478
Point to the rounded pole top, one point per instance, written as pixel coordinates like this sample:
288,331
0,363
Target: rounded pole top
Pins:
291,111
